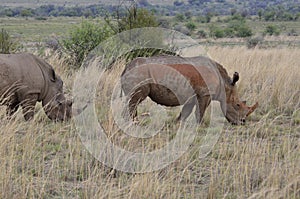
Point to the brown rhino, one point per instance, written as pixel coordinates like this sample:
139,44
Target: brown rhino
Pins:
205,80
26,79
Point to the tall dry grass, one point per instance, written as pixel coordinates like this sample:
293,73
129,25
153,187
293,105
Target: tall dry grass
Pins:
42,159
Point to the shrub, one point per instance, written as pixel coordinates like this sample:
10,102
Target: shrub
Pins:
41,18
216,32
240,29
202,34
254,42
180,17
234,29
272,30
83,39
191,26
201,19
293,32
7,44
26,13
243,31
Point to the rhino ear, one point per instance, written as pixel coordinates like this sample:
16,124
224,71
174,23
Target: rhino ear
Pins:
235,78
52,76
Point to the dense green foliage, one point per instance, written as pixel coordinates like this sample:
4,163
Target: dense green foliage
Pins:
134,18
88,35
83,39
7,43
236,27
272,30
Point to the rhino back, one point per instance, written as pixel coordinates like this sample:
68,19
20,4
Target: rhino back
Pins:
21,73
202,72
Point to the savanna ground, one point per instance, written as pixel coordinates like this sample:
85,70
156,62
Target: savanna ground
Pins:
42,159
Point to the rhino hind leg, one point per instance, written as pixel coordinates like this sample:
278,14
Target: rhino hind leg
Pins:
12,108
186,110
137,97
28,106
202,103
11,102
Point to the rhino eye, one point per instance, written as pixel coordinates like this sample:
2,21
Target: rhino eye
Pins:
238,105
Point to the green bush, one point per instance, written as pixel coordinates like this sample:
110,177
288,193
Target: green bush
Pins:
201,19
191,26
254,42
229,32
216,32
180,17
243,31
202,34
7,44
240,29
234,29
272,30
88,35
83,39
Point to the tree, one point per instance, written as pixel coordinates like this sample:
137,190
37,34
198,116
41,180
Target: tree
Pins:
133,18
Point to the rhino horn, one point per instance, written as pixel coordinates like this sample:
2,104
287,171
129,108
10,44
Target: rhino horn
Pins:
252,108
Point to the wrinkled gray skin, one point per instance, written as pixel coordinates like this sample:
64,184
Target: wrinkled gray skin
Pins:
27,79
161,79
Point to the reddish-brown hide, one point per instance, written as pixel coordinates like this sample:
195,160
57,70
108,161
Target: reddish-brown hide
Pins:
174,81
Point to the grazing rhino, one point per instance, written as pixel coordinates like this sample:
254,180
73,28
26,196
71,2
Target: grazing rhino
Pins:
26,80
161,78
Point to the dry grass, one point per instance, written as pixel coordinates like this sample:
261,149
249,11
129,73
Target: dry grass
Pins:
42,159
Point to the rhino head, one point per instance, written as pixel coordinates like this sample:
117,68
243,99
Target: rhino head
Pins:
56,106
236,110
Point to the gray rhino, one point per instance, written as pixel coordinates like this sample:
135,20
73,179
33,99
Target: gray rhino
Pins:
174,81
26,79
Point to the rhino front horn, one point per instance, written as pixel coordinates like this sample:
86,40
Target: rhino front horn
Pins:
252,108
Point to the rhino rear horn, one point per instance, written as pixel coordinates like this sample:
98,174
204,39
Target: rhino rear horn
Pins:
235,78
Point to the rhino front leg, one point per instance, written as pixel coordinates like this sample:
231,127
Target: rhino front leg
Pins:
12,108
28,106
137,97
202,103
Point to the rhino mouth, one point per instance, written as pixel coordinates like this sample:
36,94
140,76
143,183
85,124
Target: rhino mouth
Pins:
235,122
